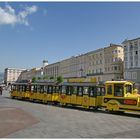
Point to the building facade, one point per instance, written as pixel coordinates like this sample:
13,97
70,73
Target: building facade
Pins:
132,59
113,62
52,70
102,64
11,75
29,74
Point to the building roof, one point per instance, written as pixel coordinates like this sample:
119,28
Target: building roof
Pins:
126,40
14,69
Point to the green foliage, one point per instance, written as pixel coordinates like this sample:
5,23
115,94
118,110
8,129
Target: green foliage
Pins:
51,77
39,78
59,79
45,77
34,79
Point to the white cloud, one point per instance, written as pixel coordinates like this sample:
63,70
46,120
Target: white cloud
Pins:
8,15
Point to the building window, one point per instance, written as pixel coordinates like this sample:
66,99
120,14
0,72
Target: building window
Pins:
100,61
112,68
115,67
108,69
136,63
96,62
129,75
125,58
131,64
136,52
125,48
119,68
96,71
134,75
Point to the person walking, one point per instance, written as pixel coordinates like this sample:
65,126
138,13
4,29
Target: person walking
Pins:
0,90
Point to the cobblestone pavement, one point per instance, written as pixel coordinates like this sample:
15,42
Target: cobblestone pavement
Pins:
58,122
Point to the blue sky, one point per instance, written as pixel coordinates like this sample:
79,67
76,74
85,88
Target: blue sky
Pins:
57,30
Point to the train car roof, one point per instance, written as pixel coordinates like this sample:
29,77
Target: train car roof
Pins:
80,84
39,83
118,82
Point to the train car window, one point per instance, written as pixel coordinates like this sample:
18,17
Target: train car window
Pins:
24,88
41,89
103,91
60,89
45,89
91,91
128,89
20,88
55,89
38,88
17,88
99,91
85,91
50,89
64,89
74,90
68,90
71,90
34,88
14,87
80,91
118,90
109,89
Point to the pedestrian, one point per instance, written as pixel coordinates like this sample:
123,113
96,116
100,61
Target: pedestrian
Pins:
0,90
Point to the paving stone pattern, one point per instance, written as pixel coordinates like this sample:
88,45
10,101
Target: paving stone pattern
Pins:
58,122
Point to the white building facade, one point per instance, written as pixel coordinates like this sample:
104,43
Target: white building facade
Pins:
11,75
132,59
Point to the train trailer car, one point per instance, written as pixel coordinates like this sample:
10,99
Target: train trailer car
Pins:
87,95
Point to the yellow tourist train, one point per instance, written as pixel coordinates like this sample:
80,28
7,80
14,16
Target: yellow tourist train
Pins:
112,95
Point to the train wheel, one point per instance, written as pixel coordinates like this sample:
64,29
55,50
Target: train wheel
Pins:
86,107
45,102
12,97
63,104
94,108
55,103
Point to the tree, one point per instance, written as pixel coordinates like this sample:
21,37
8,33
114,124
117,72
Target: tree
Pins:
59,79
51,77
45,77
39,78
34,79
